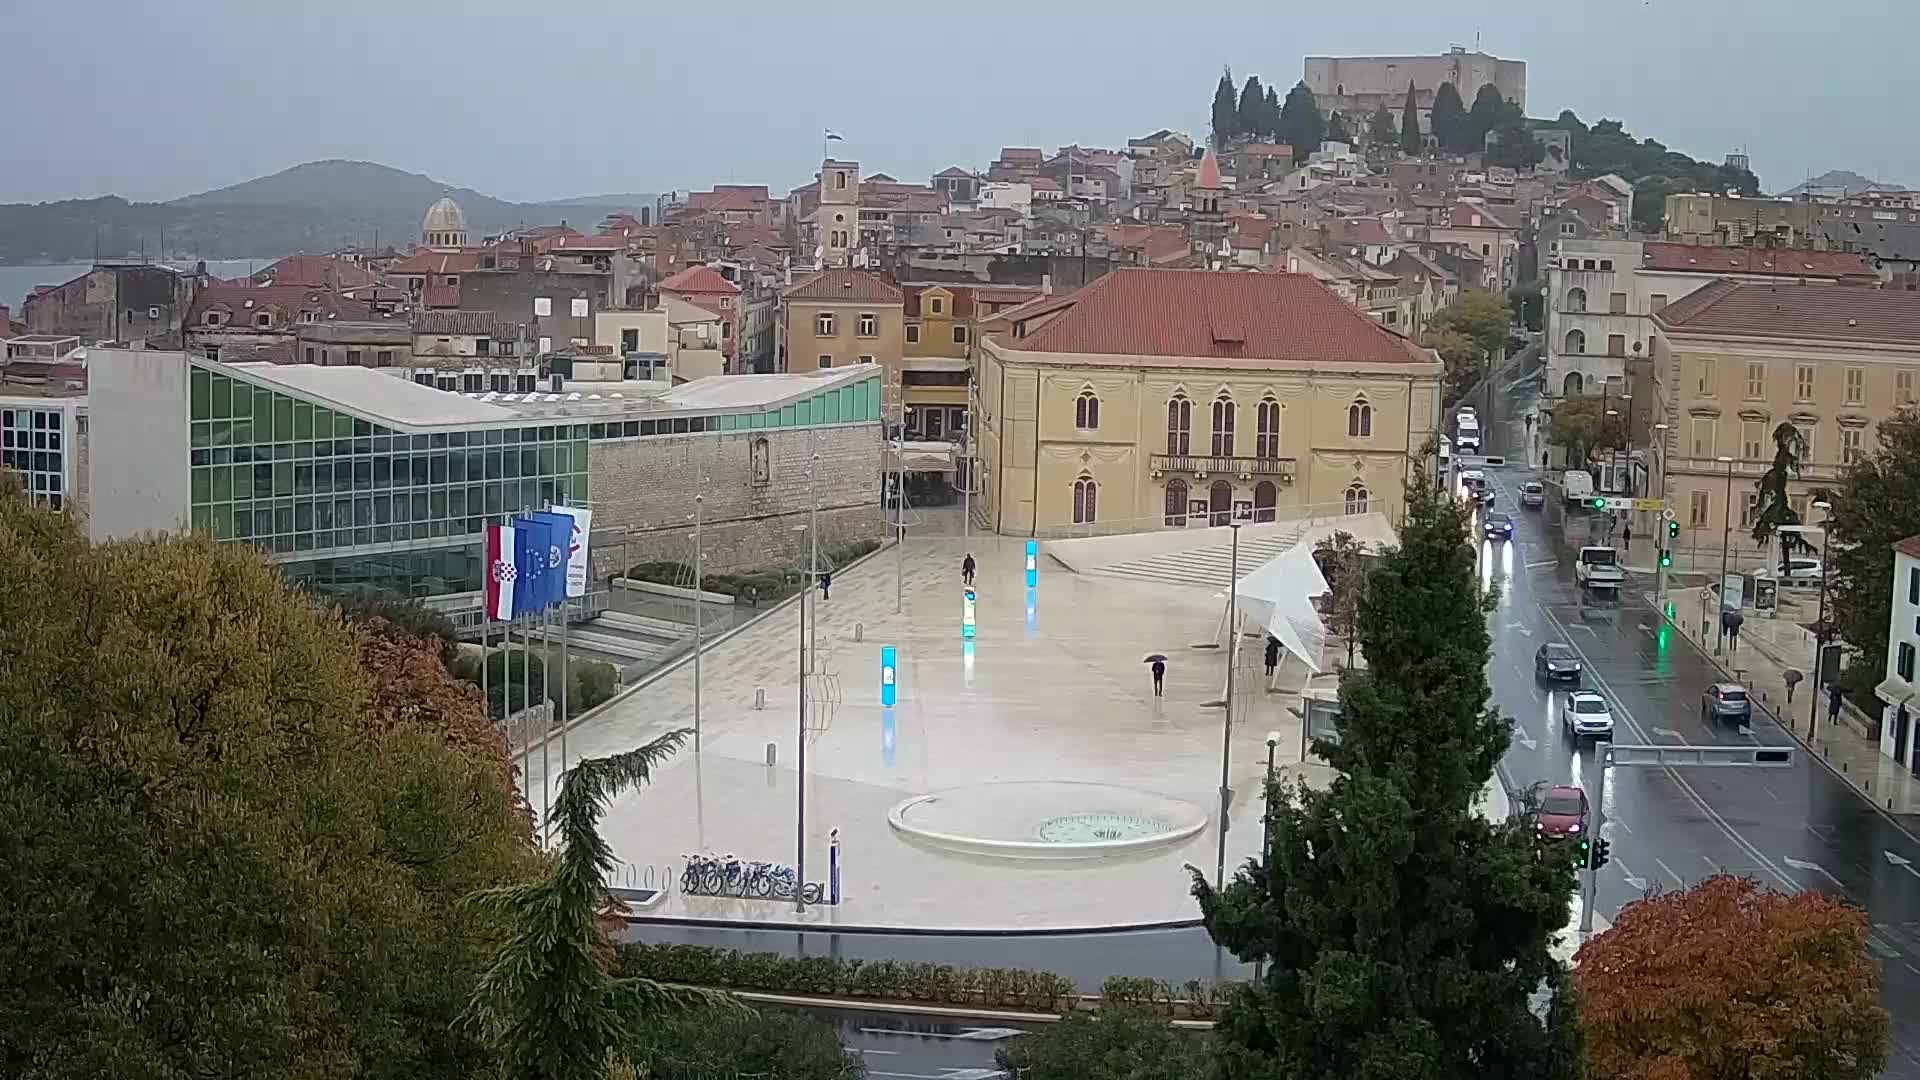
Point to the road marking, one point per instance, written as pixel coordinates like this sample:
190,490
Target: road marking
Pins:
1798,864
1667,731
1543,565
1524,632
1525,739
1637,884
1583,626
1678,881
885,1053
978,1034
944,1074
1902,863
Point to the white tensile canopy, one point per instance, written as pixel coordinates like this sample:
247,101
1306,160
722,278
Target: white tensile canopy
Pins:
1279,594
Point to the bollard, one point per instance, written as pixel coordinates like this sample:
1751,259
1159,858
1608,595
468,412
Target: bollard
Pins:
859,631
773,754
760,697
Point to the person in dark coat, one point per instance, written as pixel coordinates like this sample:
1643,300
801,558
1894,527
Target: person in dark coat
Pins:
826,583
1273,654
1159,673
966,569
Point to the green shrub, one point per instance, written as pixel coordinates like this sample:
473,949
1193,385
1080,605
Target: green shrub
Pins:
739,1042
593,682
1124,1042
832,976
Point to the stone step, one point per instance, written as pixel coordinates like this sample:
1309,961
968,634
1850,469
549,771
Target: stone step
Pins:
664,630
620,645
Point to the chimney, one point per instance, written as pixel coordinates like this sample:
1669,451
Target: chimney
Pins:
1046,284
557,382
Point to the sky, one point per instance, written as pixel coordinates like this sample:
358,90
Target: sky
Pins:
152,101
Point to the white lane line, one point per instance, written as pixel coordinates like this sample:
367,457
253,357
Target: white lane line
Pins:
1678,883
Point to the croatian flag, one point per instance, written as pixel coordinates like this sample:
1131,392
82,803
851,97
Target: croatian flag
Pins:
500,571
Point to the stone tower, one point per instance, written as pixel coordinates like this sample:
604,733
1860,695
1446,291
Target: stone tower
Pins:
1206,215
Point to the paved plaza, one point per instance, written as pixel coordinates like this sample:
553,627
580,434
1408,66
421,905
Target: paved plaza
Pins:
1055,693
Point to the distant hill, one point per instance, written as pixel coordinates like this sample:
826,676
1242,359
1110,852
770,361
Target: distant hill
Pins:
313,207
1852,183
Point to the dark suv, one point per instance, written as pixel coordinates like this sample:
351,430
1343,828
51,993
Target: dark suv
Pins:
1726,702
1556,660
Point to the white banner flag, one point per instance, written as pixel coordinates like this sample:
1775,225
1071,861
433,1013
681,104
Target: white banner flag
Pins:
578,566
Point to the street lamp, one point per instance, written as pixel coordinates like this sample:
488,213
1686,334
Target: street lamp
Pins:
1726,541
1820,627
699,617
1266,830
1659,466
1226,725
1612,451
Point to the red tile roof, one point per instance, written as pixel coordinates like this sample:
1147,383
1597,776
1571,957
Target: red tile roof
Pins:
317,271
440,296
1829,313
1267,150
845,286
1021,153
699,279
1910,547
1209,314
1709,259
1358,231
437,262
1158,241
1209,170
1464,215
286,303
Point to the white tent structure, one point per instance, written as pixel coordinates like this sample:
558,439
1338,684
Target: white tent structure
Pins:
1279,597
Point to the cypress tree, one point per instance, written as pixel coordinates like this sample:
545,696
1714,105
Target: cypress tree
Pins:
1337,129
1301,124
1449,119
1250,116
1410,141
1380,129
1226,117
1490,110
1271,114
1404,935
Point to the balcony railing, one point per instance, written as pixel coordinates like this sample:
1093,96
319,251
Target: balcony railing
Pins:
1752,468
1201,465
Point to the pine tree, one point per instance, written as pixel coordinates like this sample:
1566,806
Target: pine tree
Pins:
1301,124
1271,114
1250,116
1226,117
1449,119
1380,129
1410,141
1404,934
1337,129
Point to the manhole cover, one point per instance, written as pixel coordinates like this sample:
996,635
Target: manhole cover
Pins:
1100,828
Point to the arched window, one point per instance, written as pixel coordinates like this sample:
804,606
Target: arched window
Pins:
1265,495
1573,384
1179,426
1360,420
1357,498
1084,493
1176,502
1576,299
760,457
1086,411
1576,341
1223,426
1219,503
1266,438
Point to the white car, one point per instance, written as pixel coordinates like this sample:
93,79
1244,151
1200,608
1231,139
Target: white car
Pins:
1805,570
1585,714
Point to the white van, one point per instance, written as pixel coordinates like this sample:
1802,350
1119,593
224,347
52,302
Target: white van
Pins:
1467,436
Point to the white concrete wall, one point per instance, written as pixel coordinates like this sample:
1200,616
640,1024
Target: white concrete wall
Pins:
1901,627
138,468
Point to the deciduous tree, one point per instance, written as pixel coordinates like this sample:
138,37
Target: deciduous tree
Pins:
1580,426
1874,508
1728,979
1404,934
1479,314
1343,562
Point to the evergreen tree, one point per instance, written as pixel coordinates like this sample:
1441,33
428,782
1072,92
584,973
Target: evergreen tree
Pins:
1250,117
1514,146
1773,510
1449,119
1301,124
1410,141
1337,129
1380,130
1405,935
1490,110
1272,114
1226,115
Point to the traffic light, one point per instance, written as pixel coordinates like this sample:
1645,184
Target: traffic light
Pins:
1599,503
1582,853
1666,557
1673,530
1600,853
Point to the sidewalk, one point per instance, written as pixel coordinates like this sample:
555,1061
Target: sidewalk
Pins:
1767,649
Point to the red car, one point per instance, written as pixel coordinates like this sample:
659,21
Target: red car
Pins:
1562,813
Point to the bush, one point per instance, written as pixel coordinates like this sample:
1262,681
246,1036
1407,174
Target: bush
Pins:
837,977
753,586
593,683
1123,1042
403,617
741,1042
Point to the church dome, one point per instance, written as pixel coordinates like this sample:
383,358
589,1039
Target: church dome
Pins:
445,224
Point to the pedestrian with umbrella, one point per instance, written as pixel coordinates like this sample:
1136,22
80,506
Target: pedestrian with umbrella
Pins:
1273,654
1159,662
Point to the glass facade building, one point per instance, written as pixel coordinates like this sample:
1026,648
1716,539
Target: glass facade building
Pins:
346,503
37,442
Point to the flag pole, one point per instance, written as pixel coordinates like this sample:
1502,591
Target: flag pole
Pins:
546,727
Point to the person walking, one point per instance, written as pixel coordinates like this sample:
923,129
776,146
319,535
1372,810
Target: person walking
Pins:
1833,703
966,569
826,584
1273,654
1627,533
1159,674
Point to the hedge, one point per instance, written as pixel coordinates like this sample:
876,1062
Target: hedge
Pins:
892,980
752,586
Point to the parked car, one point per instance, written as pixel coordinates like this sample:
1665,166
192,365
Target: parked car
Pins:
1802,569
1726,702
1498,526
1562,813
1556,660
1533,495
1585,714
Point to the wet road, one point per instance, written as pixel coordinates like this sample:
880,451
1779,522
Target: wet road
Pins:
1792,828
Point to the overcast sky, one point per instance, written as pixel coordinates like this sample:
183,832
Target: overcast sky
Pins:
155,100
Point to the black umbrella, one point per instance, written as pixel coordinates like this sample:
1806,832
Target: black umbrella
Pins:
1156,658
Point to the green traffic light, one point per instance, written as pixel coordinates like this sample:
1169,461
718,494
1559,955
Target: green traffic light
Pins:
1666,558
1599,503
1673,528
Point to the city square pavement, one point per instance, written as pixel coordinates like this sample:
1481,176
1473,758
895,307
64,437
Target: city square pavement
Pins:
1044,703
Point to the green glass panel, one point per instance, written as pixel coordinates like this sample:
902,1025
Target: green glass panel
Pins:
202,484
222,397
202,519
547,465
242,431
303,420
202,433
342,426
222,521
262,415
222,483
200,393
282,419
789,415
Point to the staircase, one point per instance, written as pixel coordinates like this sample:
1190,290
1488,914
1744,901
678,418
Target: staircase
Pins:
1210,566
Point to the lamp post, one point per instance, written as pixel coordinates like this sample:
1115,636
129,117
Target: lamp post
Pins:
1606,421
1820,627
699,617
1726,543
1226,726
1266,830
1659,528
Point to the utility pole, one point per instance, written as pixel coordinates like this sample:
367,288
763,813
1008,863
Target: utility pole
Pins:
699,617
800,773
1226,726
813,529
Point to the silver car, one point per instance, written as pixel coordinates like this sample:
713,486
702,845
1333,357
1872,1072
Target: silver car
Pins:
1726,702
1585,714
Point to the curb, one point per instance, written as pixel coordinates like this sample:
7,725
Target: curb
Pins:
1892,818
947,1011
911,931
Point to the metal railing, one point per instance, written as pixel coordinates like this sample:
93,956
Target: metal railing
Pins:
1205,465
469,616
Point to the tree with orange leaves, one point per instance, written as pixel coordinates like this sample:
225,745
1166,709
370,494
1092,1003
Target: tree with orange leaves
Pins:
1728,979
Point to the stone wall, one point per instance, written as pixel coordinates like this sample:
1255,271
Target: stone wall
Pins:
642,492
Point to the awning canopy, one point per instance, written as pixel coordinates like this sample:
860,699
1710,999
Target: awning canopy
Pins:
1279,596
